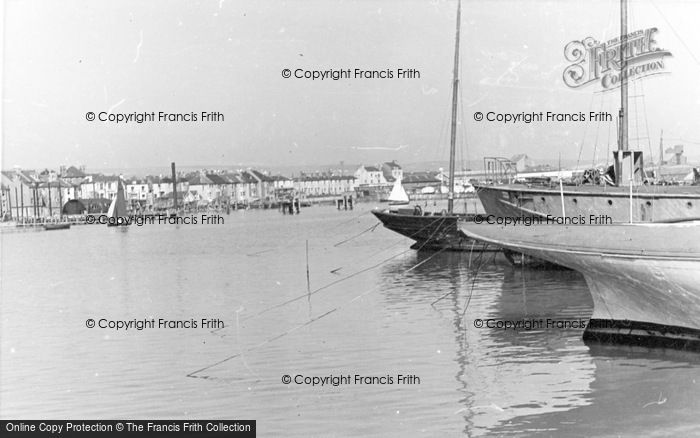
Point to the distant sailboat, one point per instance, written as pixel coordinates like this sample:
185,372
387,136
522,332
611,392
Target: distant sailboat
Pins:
398,195
117,214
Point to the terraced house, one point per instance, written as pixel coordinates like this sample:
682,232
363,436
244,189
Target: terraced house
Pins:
324,184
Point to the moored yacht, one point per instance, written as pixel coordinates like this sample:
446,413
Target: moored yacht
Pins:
644,277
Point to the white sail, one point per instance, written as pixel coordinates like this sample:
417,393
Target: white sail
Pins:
398,194
110,212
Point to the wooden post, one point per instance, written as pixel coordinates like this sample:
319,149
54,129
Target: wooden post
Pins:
36,200
48,185
16,205
308,279
172,168
9,202
21,197
60,200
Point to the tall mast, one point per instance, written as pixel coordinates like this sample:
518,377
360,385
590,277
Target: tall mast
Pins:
661,154
453,128
623,144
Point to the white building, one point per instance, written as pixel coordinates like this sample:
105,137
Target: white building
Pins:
369,176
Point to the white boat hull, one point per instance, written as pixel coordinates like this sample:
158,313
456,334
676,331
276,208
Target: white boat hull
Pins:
644,278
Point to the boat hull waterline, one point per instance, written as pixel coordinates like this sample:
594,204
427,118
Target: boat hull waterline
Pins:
644,278
432,232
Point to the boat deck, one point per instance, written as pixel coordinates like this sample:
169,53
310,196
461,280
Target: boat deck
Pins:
598,190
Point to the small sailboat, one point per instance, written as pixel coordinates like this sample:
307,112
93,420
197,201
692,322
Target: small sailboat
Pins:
398,195
117,214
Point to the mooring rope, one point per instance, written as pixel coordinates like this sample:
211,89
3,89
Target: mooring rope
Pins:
309,294
310,321
357,235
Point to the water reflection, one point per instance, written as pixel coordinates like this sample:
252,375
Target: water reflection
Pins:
503,374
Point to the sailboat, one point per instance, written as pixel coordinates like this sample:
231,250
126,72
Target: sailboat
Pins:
117,214
436,231
398,195
628,199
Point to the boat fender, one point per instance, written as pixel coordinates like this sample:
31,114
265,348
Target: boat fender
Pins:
417,211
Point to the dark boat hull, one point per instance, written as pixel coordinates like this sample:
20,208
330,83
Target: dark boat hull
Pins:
50,227
439,232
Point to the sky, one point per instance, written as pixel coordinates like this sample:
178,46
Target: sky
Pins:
63,59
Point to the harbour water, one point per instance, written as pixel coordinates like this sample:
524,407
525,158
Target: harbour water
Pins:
371,308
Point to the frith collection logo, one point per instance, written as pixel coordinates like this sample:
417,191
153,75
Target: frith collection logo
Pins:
593,61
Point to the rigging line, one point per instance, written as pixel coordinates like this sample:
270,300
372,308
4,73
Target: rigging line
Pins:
441,218
238,341
464,149
674,31
193,374
476,275
349,220
438,153
646,122
471,250
426,260
430,237
293,242
358,235
452,291
333,283
265,342
308,294
607,148
636,114
683,140
585,131
597,134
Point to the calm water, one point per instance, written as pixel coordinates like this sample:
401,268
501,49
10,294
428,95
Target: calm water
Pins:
376,316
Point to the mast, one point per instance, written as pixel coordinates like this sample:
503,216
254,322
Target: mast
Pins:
622,152
453,128
661,154
623,145
172,168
